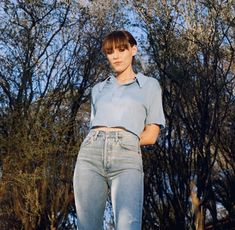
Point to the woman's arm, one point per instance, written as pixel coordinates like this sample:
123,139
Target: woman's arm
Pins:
149,134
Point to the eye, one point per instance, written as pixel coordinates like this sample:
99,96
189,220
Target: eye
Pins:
109,51
121,49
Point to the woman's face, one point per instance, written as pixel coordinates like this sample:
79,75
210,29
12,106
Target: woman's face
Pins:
120,59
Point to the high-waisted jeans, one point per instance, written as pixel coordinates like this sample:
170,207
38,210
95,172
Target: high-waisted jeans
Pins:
109,160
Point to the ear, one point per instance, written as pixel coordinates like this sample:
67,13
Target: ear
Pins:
134,50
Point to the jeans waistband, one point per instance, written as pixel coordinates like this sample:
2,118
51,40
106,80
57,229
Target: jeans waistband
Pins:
111,134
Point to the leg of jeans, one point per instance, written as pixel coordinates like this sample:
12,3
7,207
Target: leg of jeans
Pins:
127,199
90,191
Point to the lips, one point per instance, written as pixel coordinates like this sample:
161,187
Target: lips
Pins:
117,63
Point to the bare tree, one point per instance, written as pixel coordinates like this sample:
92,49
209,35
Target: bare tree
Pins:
50,57
191,48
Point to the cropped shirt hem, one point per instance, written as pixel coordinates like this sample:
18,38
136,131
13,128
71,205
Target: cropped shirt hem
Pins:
130,106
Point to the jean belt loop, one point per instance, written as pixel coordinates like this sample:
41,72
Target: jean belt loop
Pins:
96,134
119,135
116,136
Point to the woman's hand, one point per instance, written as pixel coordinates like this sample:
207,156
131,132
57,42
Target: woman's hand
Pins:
150,134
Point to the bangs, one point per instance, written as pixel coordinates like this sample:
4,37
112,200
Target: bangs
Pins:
110,45
116,40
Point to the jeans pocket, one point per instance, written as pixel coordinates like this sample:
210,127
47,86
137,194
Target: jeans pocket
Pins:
130,143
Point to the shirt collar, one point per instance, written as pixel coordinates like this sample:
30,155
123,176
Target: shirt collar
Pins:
140,79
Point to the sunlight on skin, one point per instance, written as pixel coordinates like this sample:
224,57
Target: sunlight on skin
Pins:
150,134
120,60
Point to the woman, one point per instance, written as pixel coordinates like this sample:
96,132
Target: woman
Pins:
126,112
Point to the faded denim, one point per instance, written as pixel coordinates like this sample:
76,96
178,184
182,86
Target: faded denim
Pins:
109,160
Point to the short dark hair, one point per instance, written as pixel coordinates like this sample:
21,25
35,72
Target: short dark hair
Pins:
118,39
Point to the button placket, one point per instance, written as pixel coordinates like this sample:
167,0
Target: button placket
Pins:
116,93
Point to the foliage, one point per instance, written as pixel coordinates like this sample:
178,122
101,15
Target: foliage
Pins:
49,60
191,47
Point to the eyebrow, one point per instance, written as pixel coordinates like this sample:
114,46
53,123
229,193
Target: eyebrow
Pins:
120,46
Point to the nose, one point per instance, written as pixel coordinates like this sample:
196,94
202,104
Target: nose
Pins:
115,54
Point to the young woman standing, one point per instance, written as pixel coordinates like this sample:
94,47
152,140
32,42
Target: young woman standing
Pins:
126,112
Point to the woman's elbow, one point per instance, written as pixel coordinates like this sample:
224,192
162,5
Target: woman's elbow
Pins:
153,140
148,141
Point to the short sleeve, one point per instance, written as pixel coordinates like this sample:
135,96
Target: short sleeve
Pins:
155,114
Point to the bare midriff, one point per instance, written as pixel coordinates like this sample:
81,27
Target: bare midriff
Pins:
107,129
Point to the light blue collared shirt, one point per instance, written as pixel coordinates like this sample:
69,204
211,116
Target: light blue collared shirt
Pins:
131,105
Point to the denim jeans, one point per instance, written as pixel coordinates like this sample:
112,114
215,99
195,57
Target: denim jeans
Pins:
109,160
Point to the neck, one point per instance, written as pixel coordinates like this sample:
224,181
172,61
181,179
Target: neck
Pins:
127,74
